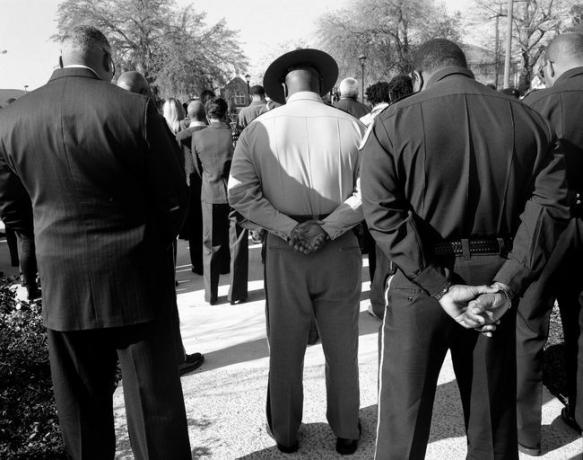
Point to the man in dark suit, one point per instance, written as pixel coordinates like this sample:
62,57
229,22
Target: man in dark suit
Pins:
213,147
348,99
193,224
108,201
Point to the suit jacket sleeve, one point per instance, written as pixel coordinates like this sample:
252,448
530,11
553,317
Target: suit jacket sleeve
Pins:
164,177
389,217
15,205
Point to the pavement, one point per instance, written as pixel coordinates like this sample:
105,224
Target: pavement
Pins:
225,397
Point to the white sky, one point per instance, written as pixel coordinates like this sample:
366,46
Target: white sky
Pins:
26,27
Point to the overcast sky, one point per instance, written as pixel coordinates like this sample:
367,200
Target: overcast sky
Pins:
26,27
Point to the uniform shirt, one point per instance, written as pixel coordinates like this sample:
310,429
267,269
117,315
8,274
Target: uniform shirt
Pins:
562,105
251,112
352,106
459,160
213,147
301,159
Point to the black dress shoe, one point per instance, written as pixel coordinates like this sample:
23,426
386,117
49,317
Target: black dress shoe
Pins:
532,451
190,363
570,420
348,446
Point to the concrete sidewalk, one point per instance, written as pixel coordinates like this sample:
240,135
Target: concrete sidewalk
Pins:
225,398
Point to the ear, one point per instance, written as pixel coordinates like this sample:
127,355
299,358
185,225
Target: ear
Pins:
106,62
61,62
285,92
417,79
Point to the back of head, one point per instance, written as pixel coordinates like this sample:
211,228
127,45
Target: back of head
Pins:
257,90
400,87
349,88
302,78
216,108
566,50
437,54
378,92
511,92
134,82
206,96
195,111
86,45
173,113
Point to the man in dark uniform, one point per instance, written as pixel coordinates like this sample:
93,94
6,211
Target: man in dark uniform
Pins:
224,241
562,104
108,201
443,198
252,111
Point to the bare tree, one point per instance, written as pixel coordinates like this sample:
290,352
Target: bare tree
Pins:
386,31
174,48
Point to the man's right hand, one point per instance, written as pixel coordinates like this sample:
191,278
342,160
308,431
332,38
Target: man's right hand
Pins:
456,303
308,237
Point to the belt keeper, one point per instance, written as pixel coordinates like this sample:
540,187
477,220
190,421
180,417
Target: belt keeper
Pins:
466,248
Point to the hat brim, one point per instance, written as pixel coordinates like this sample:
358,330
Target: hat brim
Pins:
278,69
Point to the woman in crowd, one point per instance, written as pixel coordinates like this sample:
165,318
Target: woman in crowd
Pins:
173,113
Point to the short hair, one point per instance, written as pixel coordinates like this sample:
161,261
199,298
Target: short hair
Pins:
206,96
566,46
400,87
348,87
257,90
216,108
438,53
196,111
378,92
85,38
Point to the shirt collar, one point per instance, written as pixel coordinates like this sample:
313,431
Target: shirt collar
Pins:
304,96
448,71
569,74
80,66
195,123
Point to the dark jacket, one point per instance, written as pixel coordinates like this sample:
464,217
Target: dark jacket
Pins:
562,106
250,113
108,197
213,146
461,161
352,106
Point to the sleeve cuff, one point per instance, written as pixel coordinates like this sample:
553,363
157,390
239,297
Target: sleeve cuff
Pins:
432,279
513,275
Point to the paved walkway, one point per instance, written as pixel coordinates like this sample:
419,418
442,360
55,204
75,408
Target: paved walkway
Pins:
225,398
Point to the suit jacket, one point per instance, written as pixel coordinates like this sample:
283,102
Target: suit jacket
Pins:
213,147
191,164
352,106
108,194
250,113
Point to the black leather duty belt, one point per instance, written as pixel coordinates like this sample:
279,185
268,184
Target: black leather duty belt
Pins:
466,247
305,218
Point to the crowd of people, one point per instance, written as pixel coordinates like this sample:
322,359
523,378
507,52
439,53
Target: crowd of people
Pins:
468,200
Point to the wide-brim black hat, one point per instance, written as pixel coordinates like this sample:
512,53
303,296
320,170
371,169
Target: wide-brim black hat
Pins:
278,69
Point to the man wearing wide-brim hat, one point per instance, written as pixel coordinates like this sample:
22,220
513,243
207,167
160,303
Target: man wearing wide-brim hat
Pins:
294,173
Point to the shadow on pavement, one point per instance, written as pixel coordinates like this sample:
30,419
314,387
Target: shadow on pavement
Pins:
557,435
318,441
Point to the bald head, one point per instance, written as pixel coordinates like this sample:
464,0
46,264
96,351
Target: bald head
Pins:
86,45
195,111
134,82
564,53
303,78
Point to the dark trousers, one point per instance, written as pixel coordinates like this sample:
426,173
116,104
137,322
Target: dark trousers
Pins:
12,243
83,368
326,286
416,336
225,249
194,225
562,279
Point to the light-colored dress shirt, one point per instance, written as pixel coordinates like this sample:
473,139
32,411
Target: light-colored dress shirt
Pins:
301,159
369,117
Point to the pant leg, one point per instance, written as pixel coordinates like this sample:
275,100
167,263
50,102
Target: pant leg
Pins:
414,344
215,242
195,221
532,330
82,370
239,246
289,314
12,247
578,410
152,392
335,285
485,371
